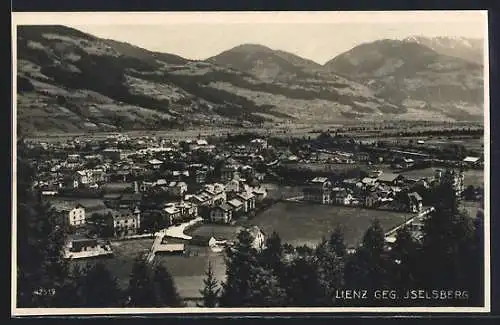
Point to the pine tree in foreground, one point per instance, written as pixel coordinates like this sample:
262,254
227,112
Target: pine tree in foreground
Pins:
448,247
241,261
211,290
151,286
337,242
272,255
330,270
100,288
140,290
368,267
405,256
302,283
166,291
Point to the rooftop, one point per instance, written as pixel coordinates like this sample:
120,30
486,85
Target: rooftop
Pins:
235,203
388,177
471,159
155,162
225,207
319,180
246,196
171,210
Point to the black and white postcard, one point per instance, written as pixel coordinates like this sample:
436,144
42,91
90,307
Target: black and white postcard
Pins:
307,162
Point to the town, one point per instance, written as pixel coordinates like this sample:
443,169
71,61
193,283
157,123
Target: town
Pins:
181,201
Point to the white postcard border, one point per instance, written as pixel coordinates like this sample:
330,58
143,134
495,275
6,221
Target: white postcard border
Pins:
151,18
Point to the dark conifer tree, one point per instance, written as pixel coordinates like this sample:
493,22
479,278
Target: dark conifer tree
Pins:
100,288
165,289
272,255
405,255
241,260
211,289
140,290
302,282
448,242
369,267
337,242
266,289
330,269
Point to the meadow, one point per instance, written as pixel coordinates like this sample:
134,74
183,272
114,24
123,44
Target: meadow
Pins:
306,224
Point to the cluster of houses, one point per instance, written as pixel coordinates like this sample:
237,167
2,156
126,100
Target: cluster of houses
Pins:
379,190
94,163
221,203
217,202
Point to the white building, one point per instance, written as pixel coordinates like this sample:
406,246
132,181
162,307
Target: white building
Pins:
76,216
127,222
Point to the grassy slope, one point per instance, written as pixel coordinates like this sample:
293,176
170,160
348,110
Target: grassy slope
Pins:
70,81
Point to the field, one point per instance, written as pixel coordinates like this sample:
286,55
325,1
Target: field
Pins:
324,167
288,131
419,173
188,272
116,187
474,177
220,232
121,263
299,223
470,142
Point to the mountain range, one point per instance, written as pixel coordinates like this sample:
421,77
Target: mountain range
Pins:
70,81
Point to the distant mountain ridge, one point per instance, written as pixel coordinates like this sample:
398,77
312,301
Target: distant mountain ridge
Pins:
470,49
263,62
416,77
72,81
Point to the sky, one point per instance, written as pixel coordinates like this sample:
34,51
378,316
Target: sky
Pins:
318,36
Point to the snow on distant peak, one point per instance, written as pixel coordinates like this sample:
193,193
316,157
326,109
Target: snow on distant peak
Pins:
446,41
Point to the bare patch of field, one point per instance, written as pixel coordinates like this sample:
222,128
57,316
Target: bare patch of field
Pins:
300,223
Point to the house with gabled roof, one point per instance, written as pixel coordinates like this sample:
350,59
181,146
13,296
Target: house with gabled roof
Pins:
171,214
318,190
221,213
127,222
236,204
216,192
201,199
73,213
248,200
390,179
